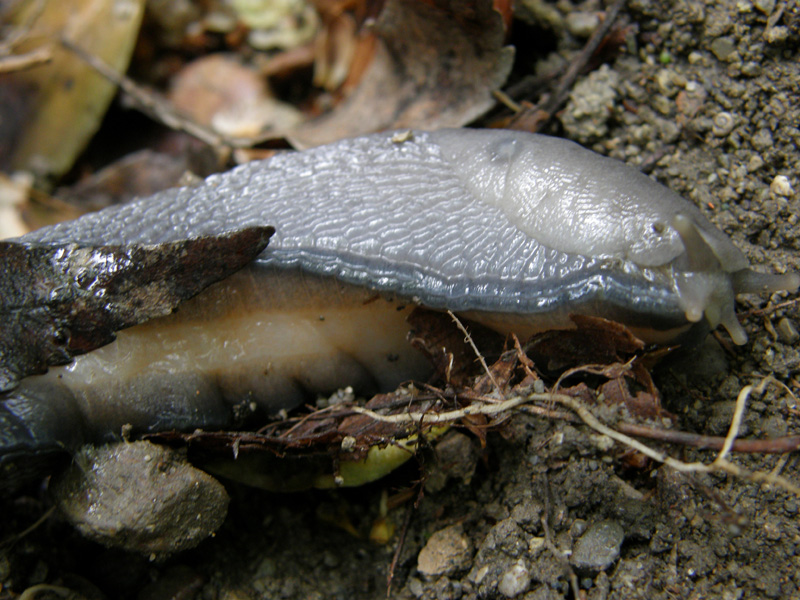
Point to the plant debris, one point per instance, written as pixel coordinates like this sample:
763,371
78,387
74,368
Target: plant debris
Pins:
52,108
60,301
435,65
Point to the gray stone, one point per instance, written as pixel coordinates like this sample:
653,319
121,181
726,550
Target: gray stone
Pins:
582,24
598,548
787,331
781,186
723,47
765,6
457,456
591,105
140,497
515,581
447,551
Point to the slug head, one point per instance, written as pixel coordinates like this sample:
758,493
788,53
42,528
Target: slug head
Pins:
578,202
706,289
574,200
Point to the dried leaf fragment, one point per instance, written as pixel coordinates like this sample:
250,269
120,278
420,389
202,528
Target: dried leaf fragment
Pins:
221,92
60,301
436,65
57,107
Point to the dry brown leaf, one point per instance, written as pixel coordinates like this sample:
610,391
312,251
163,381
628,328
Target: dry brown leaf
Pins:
436,65
220,91
595,340
141,173
59,301
640,404
57,107
436,336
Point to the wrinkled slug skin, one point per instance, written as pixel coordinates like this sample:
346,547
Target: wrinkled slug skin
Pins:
514,230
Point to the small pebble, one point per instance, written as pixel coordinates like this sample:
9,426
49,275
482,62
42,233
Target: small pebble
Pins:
447,551
535,545
140,497
415,587
787,331
790,506
515,581
781,186
723,47
478,576
665,81
755,163
578,528
598,548
762,140
777,34
582,24
402,136
751,69
694,88
765,6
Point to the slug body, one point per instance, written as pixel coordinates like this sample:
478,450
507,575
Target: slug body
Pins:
514,230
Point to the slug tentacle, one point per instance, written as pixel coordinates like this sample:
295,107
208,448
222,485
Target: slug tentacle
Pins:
748,281
705,290
699,255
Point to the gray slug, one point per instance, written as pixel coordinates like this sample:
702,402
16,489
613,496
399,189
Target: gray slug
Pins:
513,230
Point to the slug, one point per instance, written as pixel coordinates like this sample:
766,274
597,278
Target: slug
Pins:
513,230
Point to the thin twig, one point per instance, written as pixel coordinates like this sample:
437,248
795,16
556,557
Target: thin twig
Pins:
18,536
33,592
544,110
778,445
477,352
20,32
597,369
155,106
507,101
451,415
770,308
721,463
561,92
550,544
401,542
780,464
736,421
19,62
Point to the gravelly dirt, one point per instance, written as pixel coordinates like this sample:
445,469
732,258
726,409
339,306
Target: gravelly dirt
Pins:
713,89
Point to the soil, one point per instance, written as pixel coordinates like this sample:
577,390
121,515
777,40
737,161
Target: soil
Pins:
705,97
